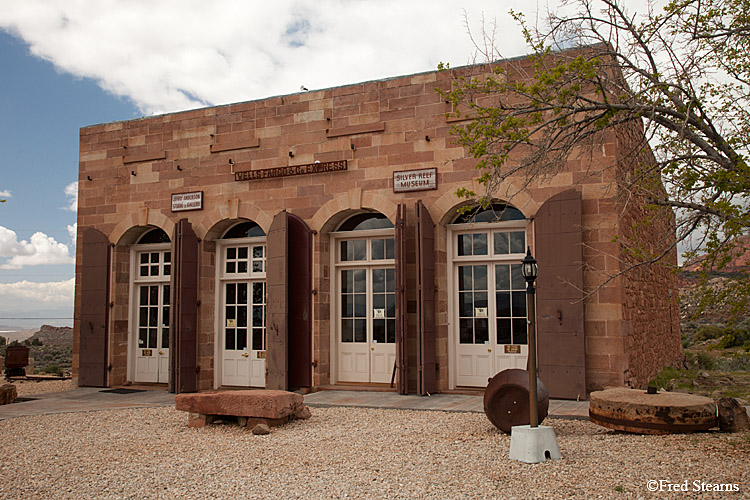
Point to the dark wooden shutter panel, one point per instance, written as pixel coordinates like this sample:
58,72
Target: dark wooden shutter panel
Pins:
94,312
427,376
184,331
560,313
277,305
300,302
402,354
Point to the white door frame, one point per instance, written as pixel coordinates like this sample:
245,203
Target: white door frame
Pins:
133,303
452,263
220,279
335,299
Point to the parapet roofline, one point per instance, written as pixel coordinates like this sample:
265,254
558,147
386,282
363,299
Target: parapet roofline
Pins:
366,82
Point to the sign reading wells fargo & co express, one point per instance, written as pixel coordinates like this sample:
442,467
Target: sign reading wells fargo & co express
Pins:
415,180
310,168
182,202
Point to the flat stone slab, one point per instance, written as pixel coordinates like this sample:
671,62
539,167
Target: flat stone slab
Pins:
633,410
249,406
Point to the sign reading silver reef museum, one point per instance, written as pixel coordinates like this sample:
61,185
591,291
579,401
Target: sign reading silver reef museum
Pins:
310,168
415,180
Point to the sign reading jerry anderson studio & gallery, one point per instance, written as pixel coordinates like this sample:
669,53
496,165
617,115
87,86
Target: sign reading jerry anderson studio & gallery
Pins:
310,168
182,202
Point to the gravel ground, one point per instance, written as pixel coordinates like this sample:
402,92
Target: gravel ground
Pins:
348,453
31,387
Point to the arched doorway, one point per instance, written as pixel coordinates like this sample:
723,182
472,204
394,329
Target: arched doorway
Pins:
365,305
487,303
241,311
151,270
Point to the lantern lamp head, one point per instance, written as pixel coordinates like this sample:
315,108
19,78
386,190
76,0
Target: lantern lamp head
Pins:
529,268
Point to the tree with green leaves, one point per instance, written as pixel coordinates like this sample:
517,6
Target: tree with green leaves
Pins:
680,76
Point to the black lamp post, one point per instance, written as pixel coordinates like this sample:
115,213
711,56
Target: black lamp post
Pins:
530,271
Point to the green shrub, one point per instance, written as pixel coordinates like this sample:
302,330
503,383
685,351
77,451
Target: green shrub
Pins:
739,363
663,378
52,370
686,341
705,361
733,337
709,332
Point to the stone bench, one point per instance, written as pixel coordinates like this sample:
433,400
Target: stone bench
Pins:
249,407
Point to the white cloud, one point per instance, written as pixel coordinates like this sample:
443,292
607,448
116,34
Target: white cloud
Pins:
39,250
73,232
51,294
177,54
5,194
25,299
71,192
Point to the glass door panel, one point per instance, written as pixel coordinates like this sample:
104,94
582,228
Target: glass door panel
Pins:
383,325
152,351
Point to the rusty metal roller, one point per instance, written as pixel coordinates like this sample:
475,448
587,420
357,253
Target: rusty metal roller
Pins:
506,399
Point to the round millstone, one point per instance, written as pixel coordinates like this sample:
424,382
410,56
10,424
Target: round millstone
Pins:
635,411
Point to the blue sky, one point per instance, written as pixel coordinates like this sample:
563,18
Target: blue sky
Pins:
67,64
41,112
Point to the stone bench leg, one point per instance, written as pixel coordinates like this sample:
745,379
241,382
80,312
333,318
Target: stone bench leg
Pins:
199,419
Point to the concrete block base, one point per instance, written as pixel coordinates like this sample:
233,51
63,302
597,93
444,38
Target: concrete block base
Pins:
533,444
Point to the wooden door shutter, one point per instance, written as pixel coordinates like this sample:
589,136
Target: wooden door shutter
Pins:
299,292
402,354
427,376
184,331
277,306
94,313
560,313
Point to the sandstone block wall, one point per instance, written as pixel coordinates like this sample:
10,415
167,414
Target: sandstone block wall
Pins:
130,169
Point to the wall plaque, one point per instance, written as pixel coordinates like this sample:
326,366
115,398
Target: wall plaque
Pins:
182,202
415,180
513,349
310,168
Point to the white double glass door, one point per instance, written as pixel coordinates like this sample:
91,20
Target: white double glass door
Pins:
489,305
244,338
366,311
242,314
152,311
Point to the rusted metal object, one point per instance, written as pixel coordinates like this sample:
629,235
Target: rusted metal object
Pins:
16,360
638,412
506,399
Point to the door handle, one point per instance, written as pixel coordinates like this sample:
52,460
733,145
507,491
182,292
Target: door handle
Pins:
161,352
244,355
372,348
489,350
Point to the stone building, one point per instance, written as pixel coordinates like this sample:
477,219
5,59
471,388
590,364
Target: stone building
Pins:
314,240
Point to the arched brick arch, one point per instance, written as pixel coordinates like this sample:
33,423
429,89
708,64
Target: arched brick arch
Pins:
337,209
132,226
217,220
445,208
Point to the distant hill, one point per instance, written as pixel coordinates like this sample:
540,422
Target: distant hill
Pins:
54,335
739,263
